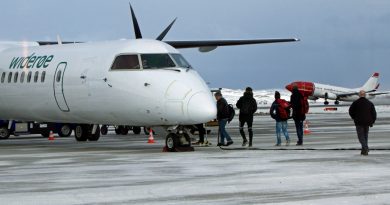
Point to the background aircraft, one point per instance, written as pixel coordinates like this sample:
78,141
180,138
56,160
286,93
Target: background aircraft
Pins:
315,91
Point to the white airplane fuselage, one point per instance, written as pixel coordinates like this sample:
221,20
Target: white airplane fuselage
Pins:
80,87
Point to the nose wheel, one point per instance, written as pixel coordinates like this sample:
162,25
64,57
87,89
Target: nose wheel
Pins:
178,142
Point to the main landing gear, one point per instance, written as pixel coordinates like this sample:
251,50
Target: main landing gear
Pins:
84,132
178,140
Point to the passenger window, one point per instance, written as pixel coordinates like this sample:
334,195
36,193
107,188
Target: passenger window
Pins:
22,76
16,77
58,78
9,77
43,76
2,77
29,76
36,76
126,62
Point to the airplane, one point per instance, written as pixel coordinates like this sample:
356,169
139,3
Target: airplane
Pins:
314,91
138,82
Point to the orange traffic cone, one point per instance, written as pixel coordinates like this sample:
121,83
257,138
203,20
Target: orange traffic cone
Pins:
51,136
306,131
151,138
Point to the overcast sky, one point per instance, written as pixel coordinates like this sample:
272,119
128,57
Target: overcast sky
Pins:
342,42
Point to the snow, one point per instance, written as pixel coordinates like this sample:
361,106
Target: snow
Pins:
127,170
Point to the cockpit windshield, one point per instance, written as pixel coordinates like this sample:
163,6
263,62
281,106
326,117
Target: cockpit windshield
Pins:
154,61
180,60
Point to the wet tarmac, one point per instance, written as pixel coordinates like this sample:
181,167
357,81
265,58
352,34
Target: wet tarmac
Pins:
328,168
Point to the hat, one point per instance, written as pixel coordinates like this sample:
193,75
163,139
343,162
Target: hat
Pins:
248,89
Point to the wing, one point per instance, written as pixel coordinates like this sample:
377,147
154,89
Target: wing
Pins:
209,45
46,43
379,93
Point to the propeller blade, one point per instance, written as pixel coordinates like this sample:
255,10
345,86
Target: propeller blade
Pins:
164,33
137,30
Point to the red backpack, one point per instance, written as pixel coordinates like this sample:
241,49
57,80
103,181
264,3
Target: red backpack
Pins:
304,105
283,109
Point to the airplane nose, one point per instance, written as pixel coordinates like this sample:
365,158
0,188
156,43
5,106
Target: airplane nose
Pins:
201,108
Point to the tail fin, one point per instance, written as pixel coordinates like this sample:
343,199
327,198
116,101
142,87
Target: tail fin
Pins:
372,83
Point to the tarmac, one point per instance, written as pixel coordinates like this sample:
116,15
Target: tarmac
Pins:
327,169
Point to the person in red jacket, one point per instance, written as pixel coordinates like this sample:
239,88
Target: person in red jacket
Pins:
363,113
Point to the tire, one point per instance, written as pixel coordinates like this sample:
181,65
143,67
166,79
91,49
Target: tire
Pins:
104,130
137,130
118,130
81,133
124,130
4,133
96,136
171,142
65,130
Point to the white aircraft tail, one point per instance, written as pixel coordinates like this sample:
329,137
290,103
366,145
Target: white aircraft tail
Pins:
372,83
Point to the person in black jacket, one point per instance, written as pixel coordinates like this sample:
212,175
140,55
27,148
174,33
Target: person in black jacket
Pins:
363,113
248,106
222,117
298,114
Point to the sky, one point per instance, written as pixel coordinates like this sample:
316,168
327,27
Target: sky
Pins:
342,42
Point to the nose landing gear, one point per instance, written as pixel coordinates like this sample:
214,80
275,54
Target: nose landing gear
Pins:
178,141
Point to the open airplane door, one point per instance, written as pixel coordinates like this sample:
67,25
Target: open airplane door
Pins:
58,85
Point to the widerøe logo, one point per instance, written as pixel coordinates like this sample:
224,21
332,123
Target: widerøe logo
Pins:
31,61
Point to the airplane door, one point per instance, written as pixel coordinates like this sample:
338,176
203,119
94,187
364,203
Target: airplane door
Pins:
58,85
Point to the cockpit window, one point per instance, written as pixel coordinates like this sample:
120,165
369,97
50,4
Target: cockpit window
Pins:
154,61
180,61
126,62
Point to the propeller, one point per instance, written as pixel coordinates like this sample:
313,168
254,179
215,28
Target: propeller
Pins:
137,30
164,33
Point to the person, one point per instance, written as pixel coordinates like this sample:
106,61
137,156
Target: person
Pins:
202,132
363,113
248,106
299,114
222,117
279,111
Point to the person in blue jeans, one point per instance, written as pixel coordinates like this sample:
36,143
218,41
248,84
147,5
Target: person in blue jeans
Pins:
280,112
222,117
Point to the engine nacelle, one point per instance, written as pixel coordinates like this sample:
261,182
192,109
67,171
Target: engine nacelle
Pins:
330,96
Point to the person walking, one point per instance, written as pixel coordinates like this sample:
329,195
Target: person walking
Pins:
248,106
363,113
222,117
299,106
280,112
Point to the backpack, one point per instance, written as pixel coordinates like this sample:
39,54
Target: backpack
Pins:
246,106
304,105
283,109
232,112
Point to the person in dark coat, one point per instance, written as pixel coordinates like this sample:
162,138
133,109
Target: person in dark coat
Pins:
363,113
281,121
222,117
248,106
298,113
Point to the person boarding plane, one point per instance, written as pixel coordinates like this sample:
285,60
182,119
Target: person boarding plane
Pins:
140,82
